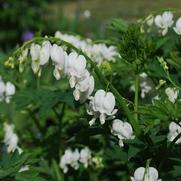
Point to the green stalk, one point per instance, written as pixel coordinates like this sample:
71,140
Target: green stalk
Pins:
121,101
136,86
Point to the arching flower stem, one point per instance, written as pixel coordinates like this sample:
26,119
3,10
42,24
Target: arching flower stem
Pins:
121,101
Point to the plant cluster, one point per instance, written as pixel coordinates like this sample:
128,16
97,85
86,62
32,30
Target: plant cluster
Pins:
65,83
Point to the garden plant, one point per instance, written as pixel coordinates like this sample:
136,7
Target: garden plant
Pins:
73,108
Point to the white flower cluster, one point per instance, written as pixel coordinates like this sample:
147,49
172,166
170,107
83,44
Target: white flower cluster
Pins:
164,21
172,94
123,130
11,139
148,174
174,131
98,52
101,106
7,90
71,65
74,158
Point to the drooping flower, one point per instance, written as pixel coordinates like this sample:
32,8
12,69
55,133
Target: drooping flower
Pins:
164,21
40,55
45,52
10,138
174,131
172,94
10,90
7,90
177,28
123,130
84,87
142,174
101,106
76,67
70,158
85,156
58,56
74,158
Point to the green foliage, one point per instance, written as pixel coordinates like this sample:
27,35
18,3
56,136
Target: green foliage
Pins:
48,120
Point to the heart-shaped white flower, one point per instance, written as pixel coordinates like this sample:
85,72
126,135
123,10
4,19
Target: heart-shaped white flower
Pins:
142,174
123,130
101,105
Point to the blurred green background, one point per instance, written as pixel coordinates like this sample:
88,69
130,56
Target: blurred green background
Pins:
21,19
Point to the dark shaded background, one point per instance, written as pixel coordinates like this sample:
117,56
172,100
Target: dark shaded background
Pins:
41,17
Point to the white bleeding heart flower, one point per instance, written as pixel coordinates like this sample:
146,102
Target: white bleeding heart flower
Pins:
177,28
76,67
174,131
164,21
40,55
84,87
101,105
70,158
10,90
123,130
35,51
45,52
59,56
10,138
85,156
172,94
142,174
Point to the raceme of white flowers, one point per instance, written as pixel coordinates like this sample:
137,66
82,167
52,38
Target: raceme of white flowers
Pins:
172,94
101,106
123,130
7,90
164,22
98,52
174,131
75,158
71,65
11,138
148,174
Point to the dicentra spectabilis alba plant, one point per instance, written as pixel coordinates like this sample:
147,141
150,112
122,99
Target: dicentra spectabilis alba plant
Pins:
68,82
